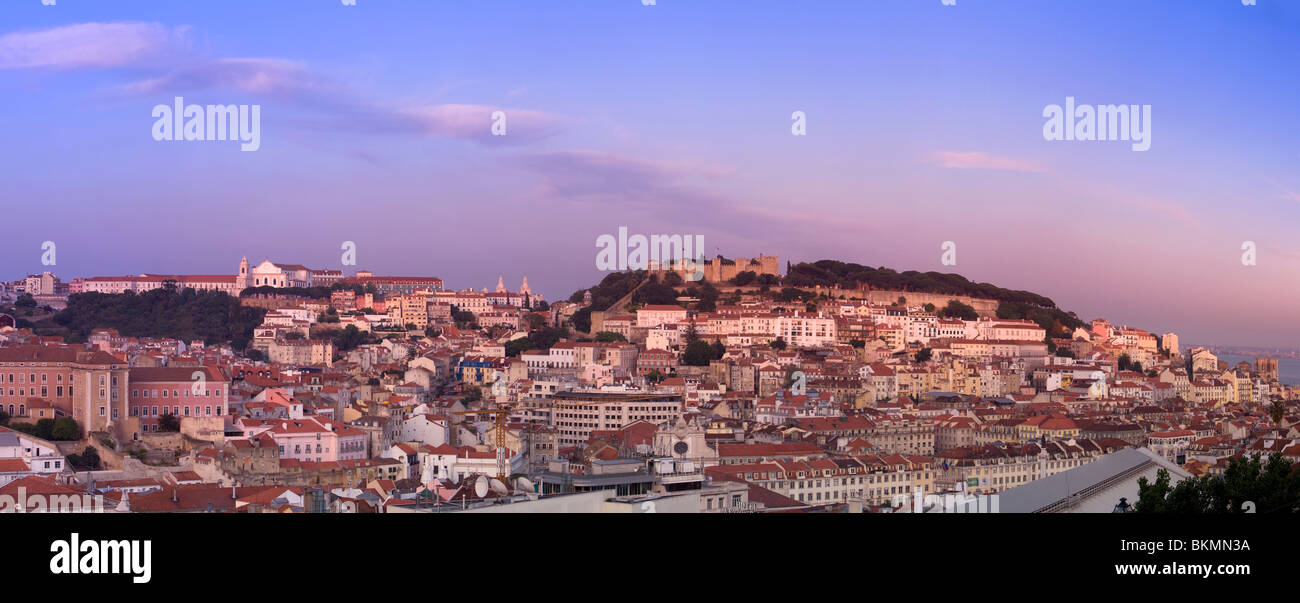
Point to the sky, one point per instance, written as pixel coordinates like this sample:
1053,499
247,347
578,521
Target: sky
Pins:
924,124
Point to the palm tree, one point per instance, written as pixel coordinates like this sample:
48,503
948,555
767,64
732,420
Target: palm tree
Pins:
1277,411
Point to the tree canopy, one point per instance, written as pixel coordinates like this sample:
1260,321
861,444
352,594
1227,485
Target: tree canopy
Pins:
210,316
828,273
1249,484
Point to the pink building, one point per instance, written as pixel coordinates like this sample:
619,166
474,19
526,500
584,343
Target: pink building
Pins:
184,391
318,439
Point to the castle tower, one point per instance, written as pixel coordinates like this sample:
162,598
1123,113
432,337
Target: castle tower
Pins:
523,289
501,285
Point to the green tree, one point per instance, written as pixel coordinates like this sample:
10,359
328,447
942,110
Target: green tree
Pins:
169,422
790,294
582,320
88,460
1276,412
708,295
958,310
778,344
924,355
211,316
45,429
655,293
698,353
349,338
1247,485
535,321
692,335
65,428
788,380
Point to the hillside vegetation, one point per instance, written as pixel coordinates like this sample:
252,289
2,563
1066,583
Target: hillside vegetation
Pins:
1012,304
211,316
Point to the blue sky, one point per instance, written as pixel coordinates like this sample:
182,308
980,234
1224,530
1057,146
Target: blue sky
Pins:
924,126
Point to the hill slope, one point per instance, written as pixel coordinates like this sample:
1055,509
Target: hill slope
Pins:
1012,304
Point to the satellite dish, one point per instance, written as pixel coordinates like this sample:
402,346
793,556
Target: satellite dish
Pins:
524,484
498,487
481,487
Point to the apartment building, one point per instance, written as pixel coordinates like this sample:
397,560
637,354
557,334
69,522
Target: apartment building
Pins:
575,414
86,384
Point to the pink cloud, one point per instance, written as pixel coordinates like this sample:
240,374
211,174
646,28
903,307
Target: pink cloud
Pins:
332,106
983,161
87,45
252,75
474,122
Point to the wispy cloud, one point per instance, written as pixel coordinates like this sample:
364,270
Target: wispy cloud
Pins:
975,160
89,45
679,192
268,76
323,104
330,106
593,176
473,122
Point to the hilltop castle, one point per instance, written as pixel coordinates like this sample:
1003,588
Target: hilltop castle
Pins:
720,269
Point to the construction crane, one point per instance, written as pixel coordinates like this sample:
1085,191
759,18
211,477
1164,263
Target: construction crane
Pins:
499,435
